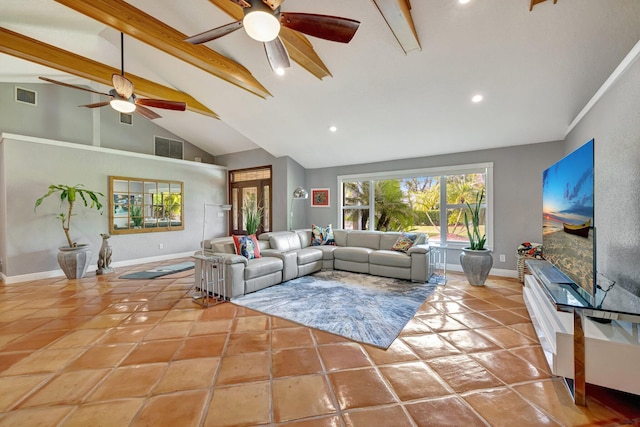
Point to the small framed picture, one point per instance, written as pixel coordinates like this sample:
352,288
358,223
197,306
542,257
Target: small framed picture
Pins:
319,197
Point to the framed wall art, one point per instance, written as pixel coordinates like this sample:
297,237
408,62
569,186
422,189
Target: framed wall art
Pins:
319,197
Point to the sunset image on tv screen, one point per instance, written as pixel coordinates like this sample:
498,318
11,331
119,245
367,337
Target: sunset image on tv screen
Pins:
567,206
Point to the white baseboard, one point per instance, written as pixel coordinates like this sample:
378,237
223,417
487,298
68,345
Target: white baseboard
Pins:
59,273
500,272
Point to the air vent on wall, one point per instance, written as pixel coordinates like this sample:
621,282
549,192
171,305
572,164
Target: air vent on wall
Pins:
126,119
26,96
168,148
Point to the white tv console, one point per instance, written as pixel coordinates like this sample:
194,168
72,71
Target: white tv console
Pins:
604,354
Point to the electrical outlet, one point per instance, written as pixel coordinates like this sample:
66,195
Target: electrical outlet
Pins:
503,258
160,246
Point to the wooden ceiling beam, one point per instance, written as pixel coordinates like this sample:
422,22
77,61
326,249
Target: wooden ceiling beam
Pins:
32,50
535,2
397,13
127,19
298,46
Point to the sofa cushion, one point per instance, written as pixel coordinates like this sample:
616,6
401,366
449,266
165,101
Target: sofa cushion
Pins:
364,239
262,266
390,258
404,242
247,246
308,255
354,254
220,244
388,239
322,236
284,241
305,237
340,237
327,251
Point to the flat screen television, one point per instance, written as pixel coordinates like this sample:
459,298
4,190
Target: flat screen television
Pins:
568,233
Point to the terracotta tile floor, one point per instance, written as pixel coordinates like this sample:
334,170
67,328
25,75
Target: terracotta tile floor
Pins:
114,352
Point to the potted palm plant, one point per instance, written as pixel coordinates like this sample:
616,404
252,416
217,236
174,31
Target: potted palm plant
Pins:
73,258
476,260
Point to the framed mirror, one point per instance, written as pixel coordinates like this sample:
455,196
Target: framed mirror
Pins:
140,205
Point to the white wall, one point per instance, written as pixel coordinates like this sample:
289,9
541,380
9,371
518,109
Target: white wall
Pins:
30,165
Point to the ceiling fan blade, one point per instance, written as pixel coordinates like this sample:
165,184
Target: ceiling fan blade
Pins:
122,85
145,112
215,33
326,27
162,103
72,86
96,105
277,54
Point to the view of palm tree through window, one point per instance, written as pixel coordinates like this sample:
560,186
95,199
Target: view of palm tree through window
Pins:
434,205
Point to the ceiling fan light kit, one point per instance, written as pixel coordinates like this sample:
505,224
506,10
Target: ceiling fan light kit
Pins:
122,105
123,100
260,22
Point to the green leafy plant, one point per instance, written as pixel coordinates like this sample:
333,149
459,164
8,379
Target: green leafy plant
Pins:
69,195
476,242
136,215
252,215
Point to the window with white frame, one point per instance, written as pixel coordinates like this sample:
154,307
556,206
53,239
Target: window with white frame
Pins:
433,201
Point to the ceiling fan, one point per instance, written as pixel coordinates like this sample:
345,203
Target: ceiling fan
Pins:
123,99
263,19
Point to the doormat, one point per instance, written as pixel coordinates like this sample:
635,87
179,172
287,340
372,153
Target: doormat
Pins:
160,271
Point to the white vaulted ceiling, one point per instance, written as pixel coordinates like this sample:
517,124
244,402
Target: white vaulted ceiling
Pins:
536,71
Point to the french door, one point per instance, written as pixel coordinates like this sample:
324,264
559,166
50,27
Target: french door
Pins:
246,187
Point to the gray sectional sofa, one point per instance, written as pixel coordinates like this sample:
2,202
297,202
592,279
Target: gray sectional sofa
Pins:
286,255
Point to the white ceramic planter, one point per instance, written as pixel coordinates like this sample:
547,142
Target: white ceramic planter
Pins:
476,265
74,261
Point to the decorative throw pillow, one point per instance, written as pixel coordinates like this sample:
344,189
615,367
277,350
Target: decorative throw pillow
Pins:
404,242
316,235
327,236
247,246
322,236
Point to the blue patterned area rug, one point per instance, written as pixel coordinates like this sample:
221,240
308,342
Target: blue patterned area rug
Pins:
364,308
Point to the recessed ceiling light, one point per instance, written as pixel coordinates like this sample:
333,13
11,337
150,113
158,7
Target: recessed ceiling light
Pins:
463,1
476,98
280,71
333,128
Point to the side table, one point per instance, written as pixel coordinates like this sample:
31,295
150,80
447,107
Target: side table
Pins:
209,283
438,259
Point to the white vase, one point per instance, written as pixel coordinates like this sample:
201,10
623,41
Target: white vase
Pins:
476,265
74,261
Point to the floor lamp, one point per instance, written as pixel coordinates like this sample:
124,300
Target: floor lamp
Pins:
204,217
298,193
